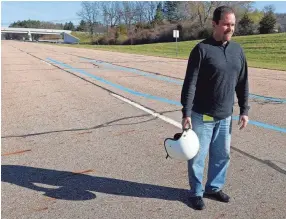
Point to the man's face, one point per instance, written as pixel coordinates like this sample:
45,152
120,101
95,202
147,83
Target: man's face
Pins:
225,28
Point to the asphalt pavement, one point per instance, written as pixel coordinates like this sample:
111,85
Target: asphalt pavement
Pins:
81,139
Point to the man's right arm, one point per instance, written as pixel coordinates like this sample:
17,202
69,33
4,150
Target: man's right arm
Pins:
190,82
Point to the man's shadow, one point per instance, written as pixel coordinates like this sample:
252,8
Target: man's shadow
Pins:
73,186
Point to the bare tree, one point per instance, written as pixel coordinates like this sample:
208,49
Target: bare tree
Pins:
240,8
150,10
128,13
140,11
90,13
203,11
185,8
111,13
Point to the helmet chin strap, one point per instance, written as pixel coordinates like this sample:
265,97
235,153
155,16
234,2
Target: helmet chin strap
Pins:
167,153
187,128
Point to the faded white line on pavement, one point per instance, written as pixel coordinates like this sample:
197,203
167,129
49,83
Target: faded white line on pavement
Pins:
46,62
164,118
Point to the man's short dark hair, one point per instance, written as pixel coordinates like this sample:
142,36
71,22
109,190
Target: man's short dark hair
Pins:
220,11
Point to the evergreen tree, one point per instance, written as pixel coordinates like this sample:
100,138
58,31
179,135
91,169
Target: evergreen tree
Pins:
268,22
171,11
69,26
82,26
159,14
245,25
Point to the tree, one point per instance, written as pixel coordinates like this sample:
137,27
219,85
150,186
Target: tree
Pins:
36,24
27,24
245,25
256,17
268,22
171,11
281,21
150,11
81,26
128,13
202,11
140,11
69,26
205,10
90,13
158,19
111,13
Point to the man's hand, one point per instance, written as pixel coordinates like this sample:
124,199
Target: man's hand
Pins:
243,120
186,123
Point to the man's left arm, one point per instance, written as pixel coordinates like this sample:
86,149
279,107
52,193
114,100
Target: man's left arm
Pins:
242,93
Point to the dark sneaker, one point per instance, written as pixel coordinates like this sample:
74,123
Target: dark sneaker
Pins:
220,196
197,203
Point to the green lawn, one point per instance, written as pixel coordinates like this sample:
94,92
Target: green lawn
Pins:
262,51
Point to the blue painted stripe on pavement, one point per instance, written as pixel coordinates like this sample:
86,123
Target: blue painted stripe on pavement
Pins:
263,125
116,85
136,71
259,124
171,80
274,99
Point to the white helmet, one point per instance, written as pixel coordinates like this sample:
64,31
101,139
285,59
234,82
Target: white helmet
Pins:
184,146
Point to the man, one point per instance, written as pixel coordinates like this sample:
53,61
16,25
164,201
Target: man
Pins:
217,69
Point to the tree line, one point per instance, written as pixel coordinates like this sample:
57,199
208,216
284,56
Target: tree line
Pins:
43,25
148,22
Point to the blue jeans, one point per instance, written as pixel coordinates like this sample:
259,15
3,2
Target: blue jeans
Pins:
214,138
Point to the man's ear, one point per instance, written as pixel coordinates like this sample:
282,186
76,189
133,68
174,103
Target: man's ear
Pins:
214,23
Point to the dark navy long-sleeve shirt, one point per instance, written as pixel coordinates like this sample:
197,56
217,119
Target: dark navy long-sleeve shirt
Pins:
214,73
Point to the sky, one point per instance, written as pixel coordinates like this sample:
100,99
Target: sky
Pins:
65,11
